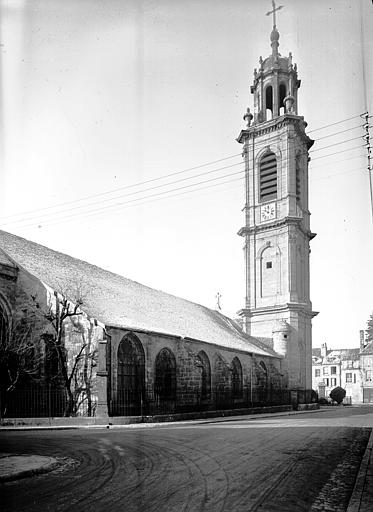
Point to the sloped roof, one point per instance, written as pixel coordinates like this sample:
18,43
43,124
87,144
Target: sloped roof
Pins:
119,302
344,354
368,350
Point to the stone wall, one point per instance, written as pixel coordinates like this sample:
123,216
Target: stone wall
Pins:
261,376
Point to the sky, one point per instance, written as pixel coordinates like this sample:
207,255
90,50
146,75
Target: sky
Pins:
102,98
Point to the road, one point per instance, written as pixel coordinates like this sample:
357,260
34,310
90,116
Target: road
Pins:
282,463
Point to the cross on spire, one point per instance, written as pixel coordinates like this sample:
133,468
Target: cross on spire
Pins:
274,9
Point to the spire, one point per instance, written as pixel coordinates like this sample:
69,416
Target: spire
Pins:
275,36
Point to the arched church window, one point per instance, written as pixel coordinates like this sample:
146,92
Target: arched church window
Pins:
205,375
3,326
236,378
268,177
281,97
269,102
165,375
131,370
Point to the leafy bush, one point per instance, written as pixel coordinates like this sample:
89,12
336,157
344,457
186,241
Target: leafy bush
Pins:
337,394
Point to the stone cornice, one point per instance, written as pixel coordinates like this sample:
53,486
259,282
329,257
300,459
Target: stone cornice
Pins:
286,221
267,127
300,307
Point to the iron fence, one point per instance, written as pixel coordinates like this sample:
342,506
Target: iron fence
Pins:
44,402
129,402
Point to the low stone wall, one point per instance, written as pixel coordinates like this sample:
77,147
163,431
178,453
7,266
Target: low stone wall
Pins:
308,407
128,420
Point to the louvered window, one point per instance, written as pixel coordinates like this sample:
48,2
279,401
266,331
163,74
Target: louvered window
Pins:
268,177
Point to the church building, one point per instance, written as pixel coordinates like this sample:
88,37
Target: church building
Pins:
154,352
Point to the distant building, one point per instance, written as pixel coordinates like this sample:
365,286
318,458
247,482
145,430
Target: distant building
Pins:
350,369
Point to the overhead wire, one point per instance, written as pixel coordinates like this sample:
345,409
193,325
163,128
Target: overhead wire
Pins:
41,218
115,205
138,184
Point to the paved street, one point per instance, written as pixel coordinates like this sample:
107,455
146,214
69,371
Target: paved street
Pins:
281,463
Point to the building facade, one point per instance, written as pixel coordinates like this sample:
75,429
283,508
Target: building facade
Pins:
277,219
351,369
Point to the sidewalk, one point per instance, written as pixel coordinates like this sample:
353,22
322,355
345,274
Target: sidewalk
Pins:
362,496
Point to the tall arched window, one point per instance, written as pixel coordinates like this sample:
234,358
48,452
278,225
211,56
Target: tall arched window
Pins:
165,375
4,330
236,378
281,97
268,177
131,370
205,375
269,102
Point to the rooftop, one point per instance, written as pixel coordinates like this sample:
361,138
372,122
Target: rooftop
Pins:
120,302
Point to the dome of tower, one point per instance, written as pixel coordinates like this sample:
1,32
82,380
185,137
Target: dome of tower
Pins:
280,62
280,326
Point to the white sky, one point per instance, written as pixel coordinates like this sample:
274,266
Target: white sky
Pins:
102,94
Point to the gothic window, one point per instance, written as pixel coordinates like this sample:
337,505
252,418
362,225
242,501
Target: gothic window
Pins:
205,375
3,326
236,378
165,375
281,97
268,177
131,366
269,103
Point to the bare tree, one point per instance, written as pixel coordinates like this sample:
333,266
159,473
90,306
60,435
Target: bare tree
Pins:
76,363
20,356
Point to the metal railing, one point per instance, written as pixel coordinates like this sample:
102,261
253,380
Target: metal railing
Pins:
39,402
128,402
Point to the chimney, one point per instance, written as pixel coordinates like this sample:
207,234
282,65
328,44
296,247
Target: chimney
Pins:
324,349
362,340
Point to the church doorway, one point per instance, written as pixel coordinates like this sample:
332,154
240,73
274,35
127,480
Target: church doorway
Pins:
131,377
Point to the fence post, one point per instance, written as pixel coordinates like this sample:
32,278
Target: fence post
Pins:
102,380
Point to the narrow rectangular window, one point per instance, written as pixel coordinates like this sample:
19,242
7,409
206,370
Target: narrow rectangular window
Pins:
354,378
333,370
333,382
317,373
348,377
268,177
326,381
325,370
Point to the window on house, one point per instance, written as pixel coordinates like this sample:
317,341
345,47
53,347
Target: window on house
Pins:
348,377
333,382
268,177
269,264
333,370
326,381
325,370
354,378
317,373
368,375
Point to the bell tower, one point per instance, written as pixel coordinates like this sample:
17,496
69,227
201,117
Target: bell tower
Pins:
277,220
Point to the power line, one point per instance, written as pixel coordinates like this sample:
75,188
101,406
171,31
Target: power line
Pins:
41,217
66,203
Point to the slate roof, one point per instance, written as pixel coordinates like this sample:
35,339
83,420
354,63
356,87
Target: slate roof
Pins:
119,302
368,350
344,354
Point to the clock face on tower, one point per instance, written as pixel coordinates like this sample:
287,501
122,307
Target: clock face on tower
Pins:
268,212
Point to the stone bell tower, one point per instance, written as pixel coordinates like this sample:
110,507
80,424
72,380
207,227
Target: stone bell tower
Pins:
277,220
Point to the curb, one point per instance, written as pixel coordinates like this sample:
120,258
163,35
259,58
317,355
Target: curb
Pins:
16,475
356,499
251,417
